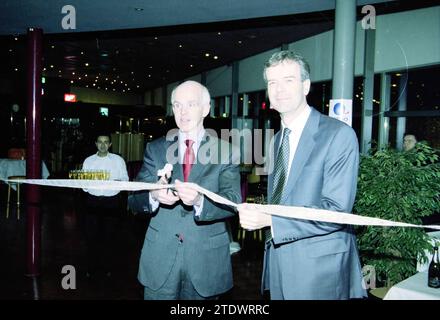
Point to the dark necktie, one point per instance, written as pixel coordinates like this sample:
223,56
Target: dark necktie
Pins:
188,159
281,166
280,172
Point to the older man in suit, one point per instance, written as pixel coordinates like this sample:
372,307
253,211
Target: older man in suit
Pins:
186,249
316,165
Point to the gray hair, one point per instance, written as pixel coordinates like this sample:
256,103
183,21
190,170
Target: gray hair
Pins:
288,56
205,97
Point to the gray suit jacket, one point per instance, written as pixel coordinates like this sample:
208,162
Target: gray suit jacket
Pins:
205,237
319,260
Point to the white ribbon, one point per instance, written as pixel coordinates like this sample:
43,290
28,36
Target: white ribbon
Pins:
278,210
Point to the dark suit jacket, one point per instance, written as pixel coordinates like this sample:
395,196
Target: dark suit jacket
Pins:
319,260
205,237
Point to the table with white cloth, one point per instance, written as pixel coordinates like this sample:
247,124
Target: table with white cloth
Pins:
413,288
12,167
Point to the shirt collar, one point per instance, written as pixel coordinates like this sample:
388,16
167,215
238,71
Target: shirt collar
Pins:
299,122
183,136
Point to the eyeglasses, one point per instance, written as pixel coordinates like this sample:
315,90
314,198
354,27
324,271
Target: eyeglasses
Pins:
190,105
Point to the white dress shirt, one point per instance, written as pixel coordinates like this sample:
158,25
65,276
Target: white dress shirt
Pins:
111,163
296,127
182,148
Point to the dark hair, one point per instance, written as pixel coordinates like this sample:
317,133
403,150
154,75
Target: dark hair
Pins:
291,56
104,134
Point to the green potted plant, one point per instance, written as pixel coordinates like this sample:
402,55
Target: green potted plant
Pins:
399,186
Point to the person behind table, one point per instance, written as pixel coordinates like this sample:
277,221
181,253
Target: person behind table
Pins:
103,208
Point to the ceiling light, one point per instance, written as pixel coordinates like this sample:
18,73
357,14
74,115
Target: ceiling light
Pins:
51,66
215,57
82,52
15,69
219,33
191,65
73,73
15,38
206,54
180,46
86,64
239,41
71,81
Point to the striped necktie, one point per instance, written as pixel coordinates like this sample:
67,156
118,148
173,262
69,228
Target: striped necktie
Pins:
280,172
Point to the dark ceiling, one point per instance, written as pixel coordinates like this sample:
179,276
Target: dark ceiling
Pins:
135,60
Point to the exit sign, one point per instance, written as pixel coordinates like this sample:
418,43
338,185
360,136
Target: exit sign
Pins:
69,97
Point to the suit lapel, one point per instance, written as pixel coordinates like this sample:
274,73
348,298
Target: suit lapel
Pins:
303,151
177,167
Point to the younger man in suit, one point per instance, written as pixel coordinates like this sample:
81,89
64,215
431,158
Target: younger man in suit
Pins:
316,165
186,249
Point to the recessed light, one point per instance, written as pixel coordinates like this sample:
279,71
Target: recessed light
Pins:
86,64
219,33
215,57
206,54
